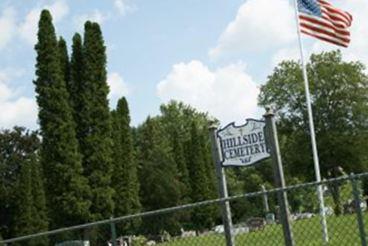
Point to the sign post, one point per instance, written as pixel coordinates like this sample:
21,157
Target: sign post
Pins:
220,172
279,176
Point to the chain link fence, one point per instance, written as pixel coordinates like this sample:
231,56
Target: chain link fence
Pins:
255,216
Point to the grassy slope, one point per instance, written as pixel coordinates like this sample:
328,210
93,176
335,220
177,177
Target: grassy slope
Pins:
343,230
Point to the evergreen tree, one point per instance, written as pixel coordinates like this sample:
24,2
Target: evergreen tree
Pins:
39,214
75,86
64,61
209,166
124,177
177,119
17,148
30,208
197,168
67,190
159,186
183,174
202,217
95,126
24,203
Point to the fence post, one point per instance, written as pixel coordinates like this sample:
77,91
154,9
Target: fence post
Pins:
358,209
113,232
220,172
273,143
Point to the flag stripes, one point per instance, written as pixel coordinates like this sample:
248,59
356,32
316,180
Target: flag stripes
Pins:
330,24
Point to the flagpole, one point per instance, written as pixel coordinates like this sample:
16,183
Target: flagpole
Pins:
311,128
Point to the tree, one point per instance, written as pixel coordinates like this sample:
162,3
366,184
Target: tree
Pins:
160,187
202,218
76,84
64,61
209,166
22,208
339,92
183,173
95,125
40,219
177,119
30,207
124,177
67,190
24,202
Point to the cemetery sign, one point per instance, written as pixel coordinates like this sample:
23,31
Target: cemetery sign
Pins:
243,145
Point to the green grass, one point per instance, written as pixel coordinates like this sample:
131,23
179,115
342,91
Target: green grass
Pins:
343,230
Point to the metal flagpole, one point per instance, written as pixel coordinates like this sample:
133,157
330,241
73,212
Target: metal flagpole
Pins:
311,127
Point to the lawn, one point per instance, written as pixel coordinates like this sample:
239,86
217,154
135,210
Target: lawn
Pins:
343,230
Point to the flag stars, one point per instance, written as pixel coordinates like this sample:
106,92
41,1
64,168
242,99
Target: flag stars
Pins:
309,7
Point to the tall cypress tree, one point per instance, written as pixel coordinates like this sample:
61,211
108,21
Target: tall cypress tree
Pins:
67,190
202,217
18,147
95,125
179,157
24,203
197,169
64,61
124,178
39,214
160,187
209,167
75,86
30,208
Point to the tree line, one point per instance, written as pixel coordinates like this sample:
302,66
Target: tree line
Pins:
86,163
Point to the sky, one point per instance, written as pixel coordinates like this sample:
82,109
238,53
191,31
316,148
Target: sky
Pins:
211,54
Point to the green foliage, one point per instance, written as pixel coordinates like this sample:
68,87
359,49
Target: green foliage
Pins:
179,157
177,119
200,183
24,202
124,177
22,207
197,168
64,61
160,187
76,83
30,207
40,219
67,190
339,92
302,200
94,125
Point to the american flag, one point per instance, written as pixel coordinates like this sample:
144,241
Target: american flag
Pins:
318,18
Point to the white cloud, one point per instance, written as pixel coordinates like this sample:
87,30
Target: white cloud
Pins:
94,16
15,109
359,30
260,25
359,33
290,53
118,87
28,28
228,93
7,26
123,7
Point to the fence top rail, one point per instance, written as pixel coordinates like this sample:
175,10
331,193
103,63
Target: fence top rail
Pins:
183,207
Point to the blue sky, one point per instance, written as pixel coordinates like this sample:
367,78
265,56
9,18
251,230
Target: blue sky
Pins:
212,54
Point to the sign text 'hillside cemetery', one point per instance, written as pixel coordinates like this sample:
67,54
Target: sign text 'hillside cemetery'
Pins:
243,145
